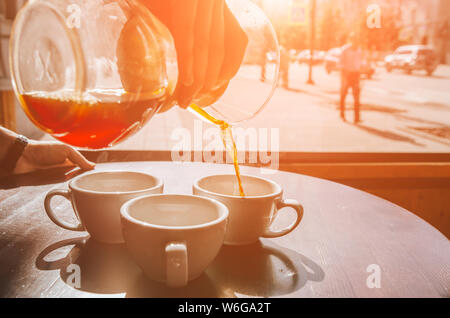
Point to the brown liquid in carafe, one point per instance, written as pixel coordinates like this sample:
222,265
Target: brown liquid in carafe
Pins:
103,122
93,123
227,139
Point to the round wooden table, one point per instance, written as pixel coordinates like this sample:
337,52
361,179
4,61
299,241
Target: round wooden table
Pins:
349,244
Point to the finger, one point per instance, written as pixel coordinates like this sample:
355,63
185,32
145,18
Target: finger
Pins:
202,42
216,47
77,158
236,41
213,96
202,31
182,28
160,9
184,95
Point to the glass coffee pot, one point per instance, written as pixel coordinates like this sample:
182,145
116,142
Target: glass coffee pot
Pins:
77,81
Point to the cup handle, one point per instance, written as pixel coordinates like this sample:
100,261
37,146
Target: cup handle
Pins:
51,214
176,264
284,204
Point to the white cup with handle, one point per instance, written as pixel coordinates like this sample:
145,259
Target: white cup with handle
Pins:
96,199
173,238
250,217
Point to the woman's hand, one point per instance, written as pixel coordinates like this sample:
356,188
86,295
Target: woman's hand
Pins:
41,155
209,41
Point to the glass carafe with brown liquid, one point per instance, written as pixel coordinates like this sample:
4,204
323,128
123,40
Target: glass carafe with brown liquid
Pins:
76,76
78,80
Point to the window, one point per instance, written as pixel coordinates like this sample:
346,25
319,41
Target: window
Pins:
403,110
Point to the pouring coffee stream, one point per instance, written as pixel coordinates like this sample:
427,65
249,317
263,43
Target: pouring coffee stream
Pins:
227,139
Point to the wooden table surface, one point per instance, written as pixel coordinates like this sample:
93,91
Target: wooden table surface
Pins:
344,233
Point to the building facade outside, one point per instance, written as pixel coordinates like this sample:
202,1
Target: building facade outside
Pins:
418,21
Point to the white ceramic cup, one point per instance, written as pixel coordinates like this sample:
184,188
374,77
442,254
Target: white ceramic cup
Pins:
250,217
96,199
173,238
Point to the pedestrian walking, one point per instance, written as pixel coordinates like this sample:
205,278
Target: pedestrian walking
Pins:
351,63
285,61
263,65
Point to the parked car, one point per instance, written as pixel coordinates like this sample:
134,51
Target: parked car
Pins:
305,57
412,57
332,61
